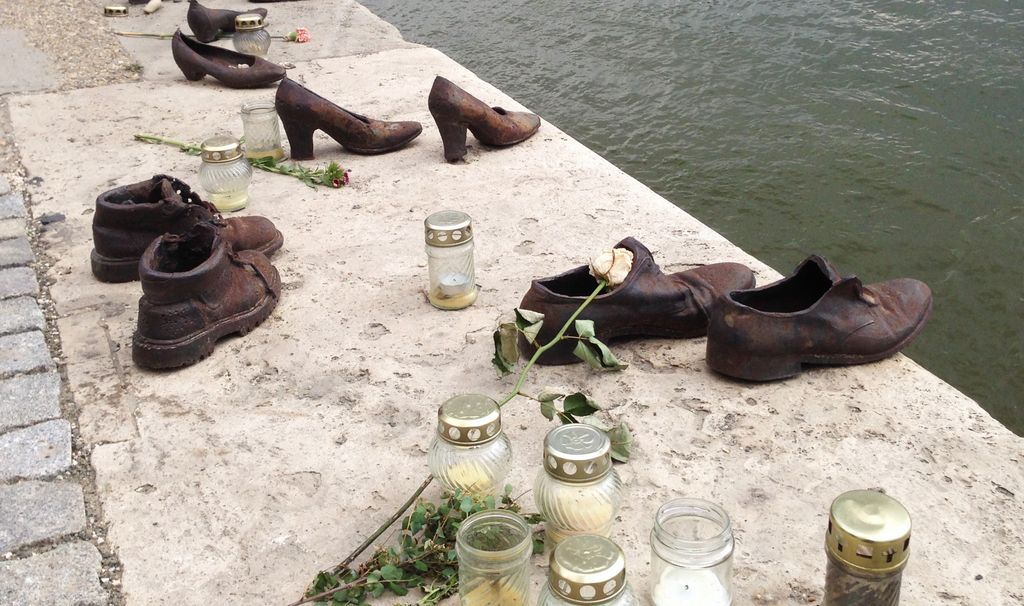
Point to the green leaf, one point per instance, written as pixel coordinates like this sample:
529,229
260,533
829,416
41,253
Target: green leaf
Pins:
622,442
506,352
579,404
608,359
538,544
548,410
529,323
508,489
390,572
585,328
489,502
377,591
420,565
597,355
397,589
466,504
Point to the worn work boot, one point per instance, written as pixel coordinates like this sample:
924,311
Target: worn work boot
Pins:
648,303
128,218
196,290
814,316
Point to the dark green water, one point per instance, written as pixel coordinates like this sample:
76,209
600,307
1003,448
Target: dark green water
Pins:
886,135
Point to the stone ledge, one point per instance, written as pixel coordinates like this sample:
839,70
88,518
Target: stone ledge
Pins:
36,451
35,511
28,399
67,575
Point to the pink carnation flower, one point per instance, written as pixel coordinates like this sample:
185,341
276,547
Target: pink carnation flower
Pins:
302,35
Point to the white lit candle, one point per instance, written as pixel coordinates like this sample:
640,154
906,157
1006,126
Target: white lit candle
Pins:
453,284
685,587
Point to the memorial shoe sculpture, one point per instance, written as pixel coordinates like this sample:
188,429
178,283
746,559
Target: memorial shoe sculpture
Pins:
130,217
207,24
196,290
648,303
235,70
304,112
454,110
814,316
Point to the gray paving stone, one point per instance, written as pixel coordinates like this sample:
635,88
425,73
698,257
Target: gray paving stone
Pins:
18,282
12,205
11,228
36,451
5,186
28,399
34,511
23,352
67,575
15,252
20,314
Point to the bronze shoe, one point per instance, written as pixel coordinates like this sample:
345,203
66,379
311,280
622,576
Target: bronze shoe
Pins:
235,70
303,112
648,303
129,218
207,24
813,316
197,290
455,110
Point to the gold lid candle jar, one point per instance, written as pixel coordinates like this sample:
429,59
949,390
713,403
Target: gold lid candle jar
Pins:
868,545
449,236
470,451
262,130
587,570
691,555
251,36
494,550
225,173
577,491
115,11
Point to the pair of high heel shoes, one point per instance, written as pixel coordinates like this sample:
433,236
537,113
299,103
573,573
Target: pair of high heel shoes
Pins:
455,111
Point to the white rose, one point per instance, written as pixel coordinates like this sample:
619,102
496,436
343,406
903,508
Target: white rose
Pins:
612,266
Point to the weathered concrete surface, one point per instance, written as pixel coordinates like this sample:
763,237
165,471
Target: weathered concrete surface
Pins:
234,480
63,576
24,68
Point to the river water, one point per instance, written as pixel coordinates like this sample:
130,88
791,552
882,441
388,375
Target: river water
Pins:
886,135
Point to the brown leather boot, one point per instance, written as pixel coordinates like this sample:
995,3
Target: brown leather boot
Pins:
303,112
196,290
234,70
455,110
813,317
648,303
129,218
207,24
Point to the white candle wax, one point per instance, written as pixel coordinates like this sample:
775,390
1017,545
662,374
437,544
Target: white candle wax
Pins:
682,587
453,284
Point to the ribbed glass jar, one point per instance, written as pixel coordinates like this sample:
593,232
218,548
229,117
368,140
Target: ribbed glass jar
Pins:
494,550
470,452
225,173
587,570
449,237
577,491
262,130
691,554
251,36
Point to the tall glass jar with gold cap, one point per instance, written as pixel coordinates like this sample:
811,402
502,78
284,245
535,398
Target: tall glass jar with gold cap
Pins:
470,451
449,236
494,549
868,545
225,173
577,491
587,570
251,36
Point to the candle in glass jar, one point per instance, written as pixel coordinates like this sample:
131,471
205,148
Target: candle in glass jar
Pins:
682,587
453,284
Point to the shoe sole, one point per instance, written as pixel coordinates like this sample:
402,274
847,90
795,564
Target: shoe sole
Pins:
562,354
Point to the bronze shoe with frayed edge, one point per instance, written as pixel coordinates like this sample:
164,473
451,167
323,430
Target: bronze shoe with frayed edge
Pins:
235,70
303,112
648,303
814,316
197,290
207,24
455,111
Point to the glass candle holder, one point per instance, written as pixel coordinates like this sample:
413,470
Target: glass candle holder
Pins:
577,491
587,570
470,451
494,550
251,36
691,555
262,130
115,11
225,173
868,546
449,236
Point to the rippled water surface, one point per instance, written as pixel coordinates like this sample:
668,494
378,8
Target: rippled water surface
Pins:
886,135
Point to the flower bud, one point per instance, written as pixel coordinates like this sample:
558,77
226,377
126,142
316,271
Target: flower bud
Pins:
612,266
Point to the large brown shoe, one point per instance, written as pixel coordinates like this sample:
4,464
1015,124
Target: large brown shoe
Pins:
813,317
207,24
303,112
455,110
235,70
648,303
129,218
196,290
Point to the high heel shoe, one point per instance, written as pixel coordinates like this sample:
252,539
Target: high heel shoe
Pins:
303,112
208,23
234,70
455,110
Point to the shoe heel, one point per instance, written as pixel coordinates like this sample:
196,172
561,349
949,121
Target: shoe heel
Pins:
300,138
453,136
752,368
113,270
192,73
